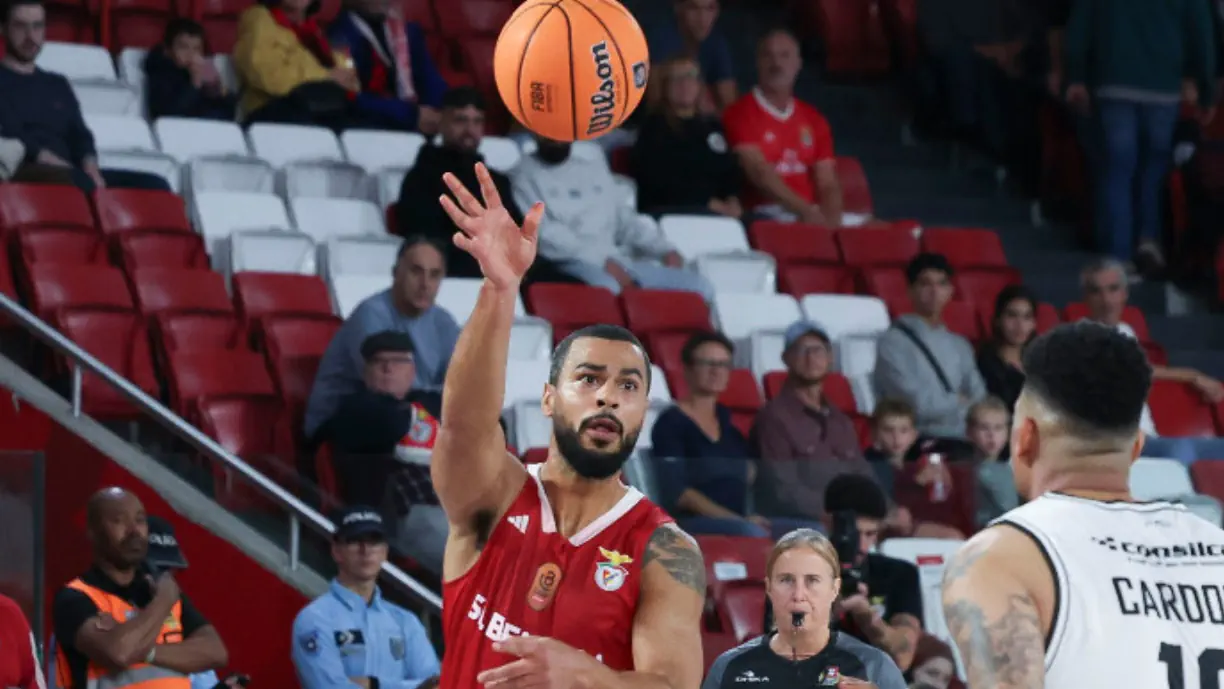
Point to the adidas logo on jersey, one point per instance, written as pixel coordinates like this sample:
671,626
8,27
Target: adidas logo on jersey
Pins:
519,522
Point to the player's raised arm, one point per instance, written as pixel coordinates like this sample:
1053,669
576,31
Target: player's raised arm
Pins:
471,470
994,607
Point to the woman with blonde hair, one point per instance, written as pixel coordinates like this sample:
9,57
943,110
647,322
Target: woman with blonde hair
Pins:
802,583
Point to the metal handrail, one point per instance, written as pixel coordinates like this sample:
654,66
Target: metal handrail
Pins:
298,510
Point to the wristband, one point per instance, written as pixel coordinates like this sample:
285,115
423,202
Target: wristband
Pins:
152,654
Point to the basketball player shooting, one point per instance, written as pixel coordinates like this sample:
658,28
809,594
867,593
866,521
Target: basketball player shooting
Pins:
1083,586
561,576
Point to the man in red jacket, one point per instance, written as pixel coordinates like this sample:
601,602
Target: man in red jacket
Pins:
19,668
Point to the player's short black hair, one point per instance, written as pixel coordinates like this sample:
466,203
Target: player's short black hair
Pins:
600,331
924,262
858,494
689,351
1093,376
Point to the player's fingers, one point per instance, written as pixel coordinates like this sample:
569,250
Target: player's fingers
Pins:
466,201
531,223
518,645
457,216
462,241
506,673
488,190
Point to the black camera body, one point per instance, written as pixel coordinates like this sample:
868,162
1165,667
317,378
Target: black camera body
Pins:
845,539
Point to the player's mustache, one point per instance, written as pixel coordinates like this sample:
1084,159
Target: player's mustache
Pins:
602,416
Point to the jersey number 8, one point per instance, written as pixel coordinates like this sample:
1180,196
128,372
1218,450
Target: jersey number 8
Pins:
1210,666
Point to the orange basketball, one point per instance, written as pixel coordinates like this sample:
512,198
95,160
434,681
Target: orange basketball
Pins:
571,69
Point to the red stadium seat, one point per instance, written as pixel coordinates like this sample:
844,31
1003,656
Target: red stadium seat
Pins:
856,193
256,430
965,248
43,205
901,22
297,336
261,294
137,23
889,284
877,246
1179,410
982,287
729,559
56,286
294,377
220,21
161,249
421,12
714,644
193,331
794,243
665,350
129,210
71,245
1131,315
742,395
570,307
1208,475
216,373
118,339
1047,317
160,290
745,609
535,455
71,21
649,311
462,18
800,280
7,285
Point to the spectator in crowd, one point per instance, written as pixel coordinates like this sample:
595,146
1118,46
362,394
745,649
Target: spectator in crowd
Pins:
407,306
351,635
19,665
290,74
119,615
417,209
40,110
934,666
802,440
1125,63
589,232
382,435
1105,294
887,610
920,361
691,35
999,359
784,145
401,87
165,554
680,159
898,457
989,426
181,81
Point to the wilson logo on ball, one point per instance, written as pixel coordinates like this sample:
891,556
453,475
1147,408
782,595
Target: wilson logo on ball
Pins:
604,99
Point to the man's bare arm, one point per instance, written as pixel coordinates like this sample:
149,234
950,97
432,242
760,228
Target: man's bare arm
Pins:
199,652
993,618
828,190
763,176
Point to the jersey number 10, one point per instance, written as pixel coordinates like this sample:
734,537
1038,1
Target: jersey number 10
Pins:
1210,666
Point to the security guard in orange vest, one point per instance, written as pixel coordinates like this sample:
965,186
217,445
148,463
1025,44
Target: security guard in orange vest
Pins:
119,627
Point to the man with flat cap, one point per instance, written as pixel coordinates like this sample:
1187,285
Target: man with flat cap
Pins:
119,624
351,634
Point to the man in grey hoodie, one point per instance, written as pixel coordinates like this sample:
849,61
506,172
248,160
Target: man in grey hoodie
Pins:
923,363
590,233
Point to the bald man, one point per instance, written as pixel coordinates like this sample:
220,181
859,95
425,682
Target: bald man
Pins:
121,622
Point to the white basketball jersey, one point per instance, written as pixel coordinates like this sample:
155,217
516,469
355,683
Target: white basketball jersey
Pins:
1139,593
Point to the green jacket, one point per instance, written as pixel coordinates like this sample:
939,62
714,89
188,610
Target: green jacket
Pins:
1141,45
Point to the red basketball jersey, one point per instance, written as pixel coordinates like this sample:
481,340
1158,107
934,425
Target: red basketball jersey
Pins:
529,580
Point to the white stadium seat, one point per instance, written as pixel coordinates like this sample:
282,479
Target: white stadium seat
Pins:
389,182
323,219
529,428
361,255
230,173
151,162
228,73
696,235
285,143
347,291
131,67
265,251
659,391
500,153
108,98
186,138
531,338
738,315
375,150
458,296
931,556
221,213
764,351
327,179
748,272
525,382
1160,479
77,61
846,314
120,133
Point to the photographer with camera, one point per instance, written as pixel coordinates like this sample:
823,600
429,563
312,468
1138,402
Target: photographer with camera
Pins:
881,600
802,583
121,623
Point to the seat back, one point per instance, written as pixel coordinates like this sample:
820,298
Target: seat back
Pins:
298,336
56,286
1160,479
323,219
128,210
262,294
157,249
165,289
696,235
272,251
281,144
376,150
184,138
738,315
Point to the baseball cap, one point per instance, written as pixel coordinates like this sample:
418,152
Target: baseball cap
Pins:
164,551
800,328
386,341
356,521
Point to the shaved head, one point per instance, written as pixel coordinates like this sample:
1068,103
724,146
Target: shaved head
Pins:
117,527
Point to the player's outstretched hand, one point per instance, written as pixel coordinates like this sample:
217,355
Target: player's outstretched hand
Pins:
487,232
542,663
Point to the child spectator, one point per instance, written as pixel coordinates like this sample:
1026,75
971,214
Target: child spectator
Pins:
988,428
181,81
899,457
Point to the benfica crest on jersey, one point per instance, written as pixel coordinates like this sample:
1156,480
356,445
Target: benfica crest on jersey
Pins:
610,574
831,677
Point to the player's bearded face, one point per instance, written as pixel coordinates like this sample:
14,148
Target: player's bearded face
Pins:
593,458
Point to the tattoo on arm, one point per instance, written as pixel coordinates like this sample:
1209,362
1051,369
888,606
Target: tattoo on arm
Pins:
679,555
1004,651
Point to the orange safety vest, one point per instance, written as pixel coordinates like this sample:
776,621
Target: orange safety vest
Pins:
139,676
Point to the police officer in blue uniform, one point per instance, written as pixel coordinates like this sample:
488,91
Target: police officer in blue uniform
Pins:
351,634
